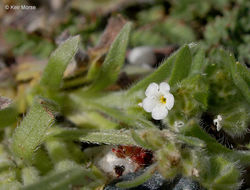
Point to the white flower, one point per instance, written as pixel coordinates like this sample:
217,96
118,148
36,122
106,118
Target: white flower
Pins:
217,122
158,100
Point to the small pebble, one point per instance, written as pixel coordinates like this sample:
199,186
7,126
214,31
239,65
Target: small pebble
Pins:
187,184
157,182
142,56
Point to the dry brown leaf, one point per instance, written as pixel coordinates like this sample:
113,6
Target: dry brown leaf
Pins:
4,102
114,26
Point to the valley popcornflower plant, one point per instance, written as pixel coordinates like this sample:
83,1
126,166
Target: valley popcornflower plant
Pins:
43,152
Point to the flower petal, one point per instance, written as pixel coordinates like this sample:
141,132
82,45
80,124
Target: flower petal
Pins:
152,90
164,87
159,112
170,100
219,118
148,104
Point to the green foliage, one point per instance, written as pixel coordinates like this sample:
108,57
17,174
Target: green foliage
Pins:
57,151
159,75
205,81
198,63
65,180
9,180
175,31
92,120
181,66
230,80
238,80
113,62
181,149
31,132
146,37
189,9
160,30
24,43
8,116
29,175
231,31
60,58
191,95
118,115
235,121
114,137
213,147
6,163
42,161
138,180
222,174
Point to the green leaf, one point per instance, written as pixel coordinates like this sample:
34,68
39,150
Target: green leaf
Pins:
243,71
14,185
196,142
157,76
176,67
9,180
57,150
65,164
29,175
115,137
139,141
236,120
64,180
198,63
92,120
6,163
30,133
58,62
221,174
238,80
117,114
181,66
140,179
113,62
42,161
8,116
213,147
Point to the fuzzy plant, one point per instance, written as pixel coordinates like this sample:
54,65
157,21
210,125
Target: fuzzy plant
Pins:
183,116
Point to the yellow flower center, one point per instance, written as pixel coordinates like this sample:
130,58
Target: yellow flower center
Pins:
163,100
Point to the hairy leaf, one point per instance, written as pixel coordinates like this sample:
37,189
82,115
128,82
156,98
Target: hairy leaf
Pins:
117,114
157,76
58,62
115,137
213,147
64,180
221,174
198,63
30,133
8,116
29,175
138,180
113,62
181,66
238,80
